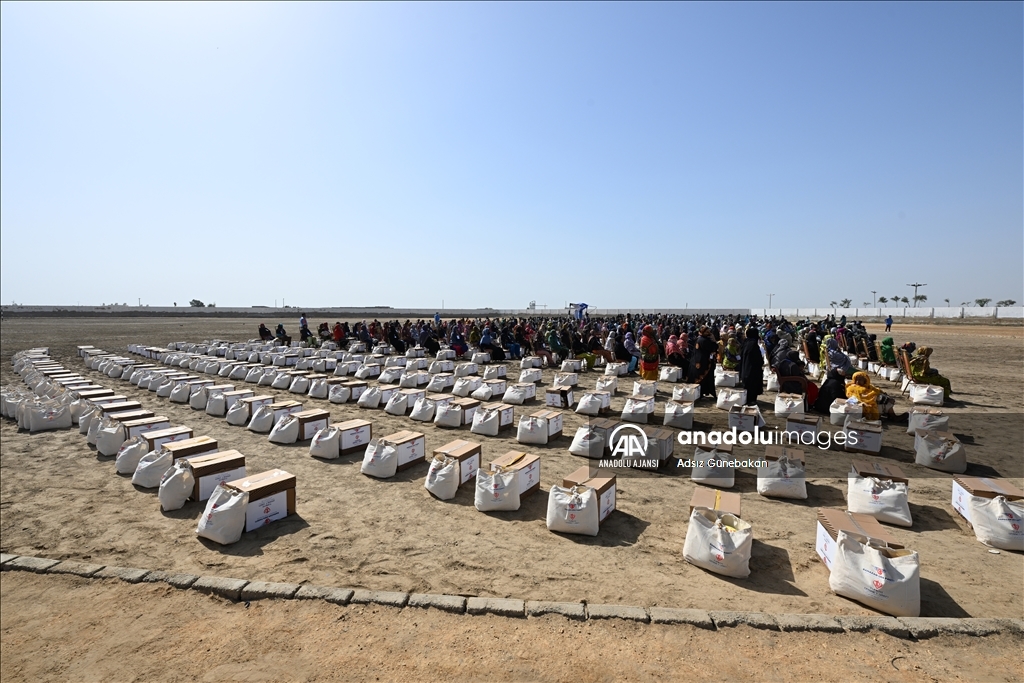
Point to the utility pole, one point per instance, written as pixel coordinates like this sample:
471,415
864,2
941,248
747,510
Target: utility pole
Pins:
770,300
873,292
915,286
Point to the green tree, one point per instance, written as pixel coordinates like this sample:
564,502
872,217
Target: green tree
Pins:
982,303
845,303
920,298
196,303
905,300
1006,302
882,300
833,304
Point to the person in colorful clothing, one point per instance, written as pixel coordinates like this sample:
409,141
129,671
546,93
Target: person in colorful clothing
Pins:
924,373
649,354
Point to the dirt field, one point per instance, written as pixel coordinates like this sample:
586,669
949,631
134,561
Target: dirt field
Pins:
60,499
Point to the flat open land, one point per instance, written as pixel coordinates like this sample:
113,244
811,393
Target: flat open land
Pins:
59,499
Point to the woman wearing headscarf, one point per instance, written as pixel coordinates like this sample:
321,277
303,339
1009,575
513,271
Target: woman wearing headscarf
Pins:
731,353
834,385
675,352
634,354
751,367
702,363
924,373
888,351
649,354
868,395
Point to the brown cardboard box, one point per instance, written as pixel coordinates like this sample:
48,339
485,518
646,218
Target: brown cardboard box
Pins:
411,447
529,388
121,407
602,481
357,387
880,471
386,392
232,397
131,415
869,436
282,408
964,487
210,470
355,434
660,441
440,399
411,396
311,421
526,464
255,402
220,389
189,448
468,455
776,452
271,497
713,499
506,415
110,398
554,418
158,437
469,408
145,424
559,397
93,391
865,527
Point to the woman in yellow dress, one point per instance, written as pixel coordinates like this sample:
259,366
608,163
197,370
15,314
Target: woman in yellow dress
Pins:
923,372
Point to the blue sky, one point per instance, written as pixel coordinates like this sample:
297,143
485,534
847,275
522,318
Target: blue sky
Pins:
627,155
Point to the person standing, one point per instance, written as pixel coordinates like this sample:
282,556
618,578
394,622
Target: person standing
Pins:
751,367
888,323
649,354
703,364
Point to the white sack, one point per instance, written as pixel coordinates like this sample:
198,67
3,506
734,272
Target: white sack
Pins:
573,511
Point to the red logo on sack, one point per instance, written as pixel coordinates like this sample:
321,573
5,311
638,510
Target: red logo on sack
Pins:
572,516
719,558
875,496
1016,527
877,583
266,510
878,570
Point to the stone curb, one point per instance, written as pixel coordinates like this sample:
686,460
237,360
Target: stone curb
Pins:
456,604
569,610
240,589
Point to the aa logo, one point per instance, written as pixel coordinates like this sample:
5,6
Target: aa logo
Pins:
628,442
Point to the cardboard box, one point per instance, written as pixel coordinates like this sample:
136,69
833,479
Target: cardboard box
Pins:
506,414
440,399
145,424
529,388
311,421
386,392
554,418
604,426
255,402
356,387
468,455
469,408
120,407
868,434
831,522
606,399
219,389
879,471
497,386
197,384
776,452
411,447
527,465
271,497
803,423
92,392
713,499
602,481
355,434
159,437
964,487
745,418
558,397
411,396
130,415
210,470
661,441
190,448
108,399
232,397
282,408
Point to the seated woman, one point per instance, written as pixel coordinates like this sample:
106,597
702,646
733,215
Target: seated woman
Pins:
556,345
540,350
924,373
282,336
888,351
265,333
675,351
872,399
834,385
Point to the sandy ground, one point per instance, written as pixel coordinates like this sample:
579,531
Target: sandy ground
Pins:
60,499
71,629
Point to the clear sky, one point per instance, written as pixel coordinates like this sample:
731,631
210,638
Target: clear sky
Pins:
626,155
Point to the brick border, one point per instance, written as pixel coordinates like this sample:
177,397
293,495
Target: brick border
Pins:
240,589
